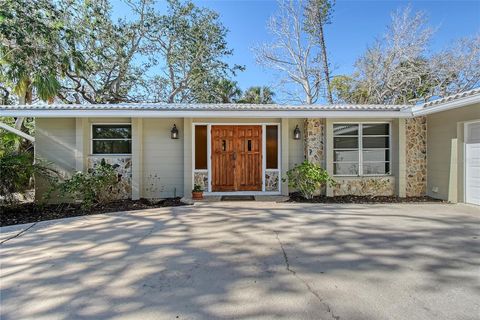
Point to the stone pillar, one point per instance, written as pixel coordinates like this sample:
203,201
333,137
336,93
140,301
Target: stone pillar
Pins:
314,136
416,156
315,150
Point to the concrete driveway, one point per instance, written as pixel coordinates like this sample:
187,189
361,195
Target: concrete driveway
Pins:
251,260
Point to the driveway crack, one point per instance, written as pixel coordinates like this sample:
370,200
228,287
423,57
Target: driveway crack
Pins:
18,234
305,283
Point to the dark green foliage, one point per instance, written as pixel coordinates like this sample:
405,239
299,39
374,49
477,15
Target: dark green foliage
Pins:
88,186
308,178
17,171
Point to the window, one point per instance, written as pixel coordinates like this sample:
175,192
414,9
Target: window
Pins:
361,149
111,139
201,147
272,147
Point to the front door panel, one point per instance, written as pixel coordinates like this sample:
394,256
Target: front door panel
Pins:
236,158
248,175
223,162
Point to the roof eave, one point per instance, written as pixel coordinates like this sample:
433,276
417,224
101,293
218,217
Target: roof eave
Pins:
457,103
207,114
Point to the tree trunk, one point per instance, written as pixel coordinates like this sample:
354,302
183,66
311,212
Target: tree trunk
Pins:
326,69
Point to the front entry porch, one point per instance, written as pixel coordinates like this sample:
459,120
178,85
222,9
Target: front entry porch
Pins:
239,157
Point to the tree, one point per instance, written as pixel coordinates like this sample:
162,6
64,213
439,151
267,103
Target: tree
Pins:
398,68
171,57
192,42
318,13
293,52
114,53
226,91
258,95
37,48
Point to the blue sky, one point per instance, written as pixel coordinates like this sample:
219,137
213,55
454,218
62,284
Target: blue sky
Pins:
355,24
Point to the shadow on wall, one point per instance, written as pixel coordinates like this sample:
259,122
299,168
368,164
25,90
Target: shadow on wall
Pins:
198,263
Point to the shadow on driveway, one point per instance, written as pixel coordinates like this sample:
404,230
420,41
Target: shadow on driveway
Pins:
248,261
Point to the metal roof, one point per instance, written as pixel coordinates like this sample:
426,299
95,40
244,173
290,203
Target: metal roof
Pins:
206,107
240,110
453,97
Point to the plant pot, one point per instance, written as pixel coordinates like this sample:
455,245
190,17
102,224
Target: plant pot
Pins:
197,195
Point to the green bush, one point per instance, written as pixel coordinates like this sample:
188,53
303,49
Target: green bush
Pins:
17,172
89,186
307,178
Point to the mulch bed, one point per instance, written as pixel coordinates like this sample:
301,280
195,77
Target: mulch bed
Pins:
31,212
296,197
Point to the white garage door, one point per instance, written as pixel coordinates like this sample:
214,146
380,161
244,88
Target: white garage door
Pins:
472,163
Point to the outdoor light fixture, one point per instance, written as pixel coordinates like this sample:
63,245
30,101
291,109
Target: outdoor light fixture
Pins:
174,132
296,133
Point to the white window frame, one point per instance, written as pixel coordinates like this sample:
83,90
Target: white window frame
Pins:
361,149
105,124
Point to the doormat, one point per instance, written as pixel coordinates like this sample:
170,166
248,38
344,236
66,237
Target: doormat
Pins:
238,198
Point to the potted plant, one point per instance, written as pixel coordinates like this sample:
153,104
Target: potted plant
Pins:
197,192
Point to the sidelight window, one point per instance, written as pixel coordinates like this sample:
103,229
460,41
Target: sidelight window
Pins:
201,147
272,147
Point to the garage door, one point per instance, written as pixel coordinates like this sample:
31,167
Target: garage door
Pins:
472,163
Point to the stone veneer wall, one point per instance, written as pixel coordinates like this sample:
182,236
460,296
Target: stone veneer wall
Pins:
271,180
416,156
365,186
123,166
314,135
201,178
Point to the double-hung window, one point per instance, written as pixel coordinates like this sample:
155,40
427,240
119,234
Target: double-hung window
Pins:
361,149
111,139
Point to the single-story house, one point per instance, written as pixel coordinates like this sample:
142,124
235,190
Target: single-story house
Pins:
163,150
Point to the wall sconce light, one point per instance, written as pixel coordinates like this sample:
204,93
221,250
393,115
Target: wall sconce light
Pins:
296,133
174,132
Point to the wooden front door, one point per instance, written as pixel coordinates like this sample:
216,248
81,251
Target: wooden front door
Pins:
236,158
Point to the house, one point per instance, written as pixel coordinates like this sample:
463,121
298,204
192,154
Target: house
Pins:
162,150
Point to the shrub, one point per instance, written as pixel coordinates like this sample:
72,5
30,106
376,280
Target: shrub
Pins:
307,178
17,173
89,186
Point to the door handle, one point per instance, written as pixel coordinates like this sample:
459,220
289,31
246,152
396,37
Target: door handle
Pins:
234,155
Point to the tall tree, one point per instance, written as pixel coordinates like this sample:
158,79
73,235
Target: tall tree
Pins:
174,56
318,13
37,47
192,41
399,68
293,52
114,52
258,95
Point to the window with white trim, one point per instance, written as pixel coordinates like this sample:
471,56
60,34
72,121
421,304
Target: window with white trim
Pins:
361,149
111,139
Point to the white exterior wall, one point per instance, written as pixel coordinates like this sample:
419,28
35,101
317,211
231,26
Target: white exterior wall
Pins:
55,143
162,159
